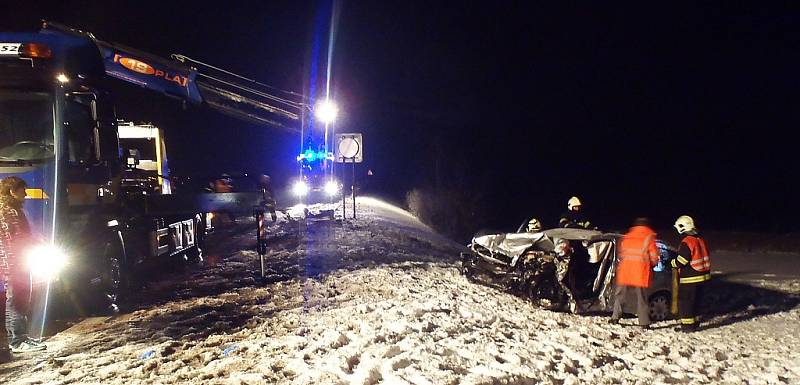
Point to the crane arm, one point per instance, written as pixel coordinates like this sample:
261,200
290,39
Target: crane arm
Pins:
197,83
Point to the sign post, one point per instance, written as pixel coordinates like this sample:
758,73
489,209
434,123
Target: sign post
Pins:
349,149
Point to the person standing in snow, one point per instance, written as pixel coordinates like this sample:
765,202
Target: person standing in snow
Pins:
636,255
267,195
573,218
15,235
694,270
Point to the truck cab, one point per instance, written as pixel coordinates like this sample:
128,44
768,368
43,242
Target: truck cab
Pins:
99,190
59,133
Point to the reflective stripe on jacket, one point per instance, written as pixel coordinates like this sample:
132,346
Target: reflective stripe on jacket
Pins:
700,258
696,266
637,254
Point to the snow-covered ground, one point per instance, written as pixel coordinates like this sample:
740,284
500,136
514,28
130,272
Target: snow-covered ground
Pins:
379,300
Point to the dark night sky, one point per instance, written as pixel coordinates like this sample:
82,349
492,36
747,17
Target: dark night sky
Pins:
639,110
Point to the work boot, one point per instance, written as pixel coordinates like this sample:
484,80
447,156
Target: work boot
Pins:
28,346
5,356
613,321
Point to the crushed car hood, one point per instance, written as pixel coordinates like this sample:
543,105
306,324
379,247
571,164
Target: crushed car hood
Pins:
537,263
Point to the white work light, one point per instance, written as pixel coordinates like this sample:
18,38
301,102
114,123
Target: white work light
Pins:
326,111
46,261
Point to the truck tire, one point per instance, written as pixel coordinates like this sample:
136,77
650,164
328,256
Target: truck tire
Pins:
116,278
194,256
659,304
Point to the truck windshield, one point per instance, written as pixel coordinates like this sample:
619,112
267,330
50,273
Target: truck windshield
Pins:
26,125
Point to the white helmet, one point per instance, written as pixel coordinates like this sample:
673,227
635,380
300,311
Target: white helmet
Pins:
573,202
684,224
534,226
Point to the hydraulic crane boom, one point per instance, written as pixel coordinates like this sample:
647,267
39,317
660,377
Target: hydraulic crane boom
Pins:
198,83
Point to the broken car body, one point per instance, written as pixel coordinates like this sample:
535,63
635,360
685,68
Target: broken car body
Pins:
561,269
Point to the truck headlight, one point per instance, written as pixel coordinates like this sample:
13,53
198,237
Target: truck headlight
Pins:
332,187
300,188
46,261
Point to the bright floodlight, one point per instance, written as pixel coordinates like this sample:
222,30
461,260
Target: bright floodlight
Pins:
62,78
326,111
46,261
300,188
332,187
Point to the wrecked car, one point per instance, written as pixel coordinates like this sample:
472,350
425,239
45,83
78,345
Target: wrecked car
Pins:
562,269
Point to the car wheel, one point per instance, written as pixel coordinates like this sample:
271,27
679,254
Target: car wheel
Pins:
466,269
659,307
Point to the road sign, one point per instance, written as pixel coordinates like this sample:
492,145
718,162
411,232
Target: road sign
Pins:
349,148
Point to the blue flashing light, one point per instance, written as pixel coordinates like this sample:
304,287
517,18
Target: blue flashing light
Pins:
311,156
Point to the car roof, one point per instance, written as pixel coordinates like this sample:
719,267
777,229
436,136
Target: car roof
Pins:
572,234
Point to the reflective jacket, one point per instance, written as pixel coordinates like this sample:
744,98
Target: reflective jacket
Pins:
637,254
693,260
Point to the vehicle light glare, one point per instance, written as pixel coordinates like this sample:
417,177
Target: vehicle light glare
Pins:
331,187
46,261
300,188
326,111
62,78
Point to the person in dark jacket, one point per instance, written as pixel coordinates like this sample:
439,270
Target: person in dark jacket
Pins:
267,195
15,235
694,271
574,218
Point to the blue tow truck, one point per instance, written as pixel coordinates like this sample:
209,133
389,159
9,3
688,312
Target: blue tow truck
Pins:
59,132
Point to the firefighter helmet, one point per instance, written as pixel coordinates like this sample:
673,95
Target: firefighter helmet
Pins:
573,202
534,226
684,224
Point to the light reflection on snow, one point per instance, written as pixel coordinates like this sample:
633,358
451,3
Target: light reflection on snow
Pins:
377,203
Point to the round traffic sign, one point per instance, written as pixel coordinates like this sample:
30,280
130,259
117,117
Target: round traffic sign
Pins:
348,148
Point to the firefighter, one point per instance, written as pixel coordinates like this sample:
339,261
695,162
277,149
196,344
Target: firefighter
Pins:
534,226
267,195
694,270
636,255
223,184
15,235
573,217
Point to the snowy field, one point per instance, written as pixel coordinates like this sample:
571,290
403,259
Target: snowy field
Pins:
379,300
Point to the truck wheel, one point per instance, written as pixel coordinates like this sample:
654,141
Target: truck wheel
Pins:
659,306
115,276
194,256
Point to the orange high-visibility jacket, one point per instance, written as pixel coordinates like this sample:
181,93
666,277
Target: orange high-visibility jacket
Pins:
637,254
693,252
